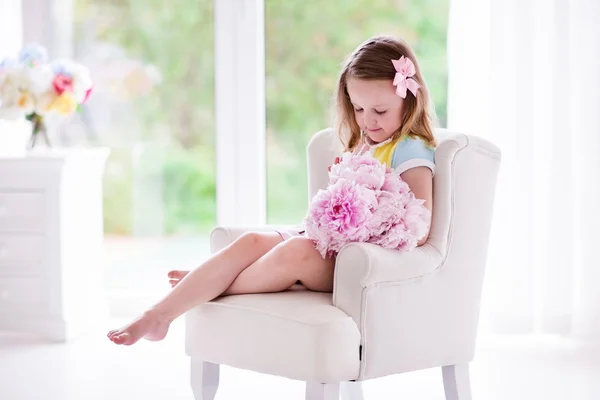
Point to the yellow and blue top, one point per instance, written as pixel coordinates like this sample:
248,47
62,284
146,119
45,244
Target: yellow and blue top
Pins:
404,153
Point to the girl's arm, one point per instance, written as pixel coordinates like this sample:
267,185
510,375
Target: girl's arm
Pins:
420,181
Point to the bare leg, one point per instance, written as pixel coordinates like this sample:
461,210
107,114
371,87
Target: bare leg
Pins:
202,284
294,260
277,268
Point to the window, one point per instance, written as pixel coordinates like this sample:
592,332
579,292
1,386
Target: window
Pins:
304,47
153,106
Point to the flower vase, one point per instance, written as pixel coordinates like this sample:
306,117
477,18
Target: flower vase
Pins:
39,132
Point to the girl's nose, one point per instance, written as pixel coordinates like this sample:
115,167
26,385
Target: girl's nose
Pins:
369,120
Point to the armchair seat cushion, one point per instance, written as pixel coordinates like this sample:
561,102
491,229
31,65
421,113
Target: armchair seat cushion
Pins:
297,334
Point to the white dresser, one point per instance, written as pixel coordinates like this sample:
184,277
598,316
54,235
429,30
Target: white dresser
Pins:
51,243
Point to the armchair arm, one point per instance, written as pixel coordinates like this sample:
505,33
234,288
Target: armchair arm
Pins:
368,264
398,302
222,236
360,266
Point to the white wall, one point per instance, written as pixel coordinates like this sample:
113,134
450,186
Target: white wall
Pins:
50,24
11,27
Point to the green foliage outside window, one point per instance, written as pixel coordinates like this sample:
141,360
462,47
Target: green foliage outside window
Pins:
305,44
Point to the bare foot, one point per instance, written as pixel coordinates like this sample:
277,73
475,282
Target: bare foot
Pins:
176,276
150,326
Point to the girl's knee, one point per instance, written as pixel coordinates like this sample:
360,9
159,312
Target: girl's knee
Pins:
261,241
249,238
297,251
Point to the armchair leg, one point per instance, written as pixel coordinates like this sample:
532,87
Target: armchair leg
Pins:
204,379
322,391
457,385
351,391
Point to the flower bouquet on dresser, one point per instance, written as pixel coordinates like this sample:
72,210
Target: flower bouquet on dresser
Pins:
36,90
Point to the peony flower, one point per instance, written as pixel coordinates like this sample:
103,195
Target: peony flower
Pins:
362,169
365,202
416,217
398,237
388,212
338,215
393,183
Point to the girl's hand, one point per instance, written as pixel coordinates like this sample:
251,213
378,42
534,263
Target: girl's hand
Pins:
336,161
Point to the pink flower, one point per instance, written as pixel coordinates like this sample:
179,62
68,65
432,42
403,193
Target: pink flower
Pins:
398,238
388,212
87,95
62,83
417,218
338,216
365,202
393,183
362,169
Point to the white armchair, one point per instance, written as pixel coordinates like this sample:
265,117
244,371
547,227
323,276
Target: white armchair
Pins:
390,312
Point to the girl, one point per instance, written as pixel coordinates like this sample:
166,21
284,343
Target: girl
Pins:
382,104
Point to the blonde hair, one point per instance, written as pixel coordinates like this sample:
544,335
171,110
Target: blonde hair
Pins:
372,60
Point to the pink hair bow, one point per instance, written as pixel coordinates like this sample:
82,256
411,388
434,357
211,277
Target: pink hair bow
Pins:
405,69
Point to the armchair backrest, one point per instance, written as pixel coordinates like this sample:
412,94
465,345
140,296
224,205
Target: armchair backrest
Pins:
464,190
321,151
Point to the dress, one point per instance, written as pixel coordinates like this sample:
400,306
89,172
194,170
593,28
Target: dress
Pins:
401,155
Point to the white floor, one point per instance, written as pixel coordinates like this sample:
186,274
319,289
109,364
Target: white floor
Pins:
92,368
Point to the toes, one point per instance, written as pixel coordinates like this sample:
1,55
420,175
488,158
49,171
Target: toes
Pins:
123,338
112,333
177,274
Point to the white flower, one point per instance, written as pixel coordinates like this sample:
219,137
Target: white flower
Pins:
38,79
82,82
10,93
21,87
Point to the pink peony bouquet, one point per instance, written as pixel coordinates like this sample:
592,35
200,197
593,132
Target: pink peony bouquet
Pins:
365,202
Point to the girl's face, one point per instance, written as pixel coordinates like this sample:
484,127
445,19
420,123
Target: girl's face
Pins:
377,107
